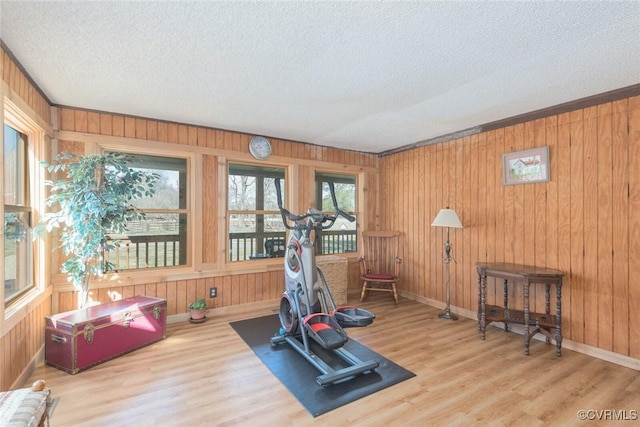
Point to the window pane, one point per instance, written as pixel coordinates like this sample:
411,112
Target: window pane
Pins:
15,167
270,195
157,241
17,254
274,224
160,239
345,189
242,192
18,246
171,187
241,223
256,234
342,237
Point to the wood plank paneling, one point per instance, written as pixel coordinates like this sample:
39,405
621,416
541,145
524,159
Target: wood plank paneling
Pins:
583,221
576,216
564,207
634,227
604,222
590,226
539,209
21,344
209,209
620,232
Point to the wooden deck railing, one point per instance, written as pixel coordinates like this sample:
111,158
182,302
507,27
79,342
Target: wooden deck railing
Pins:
244,246
164,250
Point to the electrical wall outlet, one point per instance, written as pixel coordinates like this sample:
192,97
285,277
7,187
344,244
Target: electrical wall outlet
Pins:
213,292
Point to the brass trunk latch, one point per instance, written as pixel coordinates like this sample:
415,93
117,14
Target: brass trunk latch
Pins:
128,318
88,332
156,312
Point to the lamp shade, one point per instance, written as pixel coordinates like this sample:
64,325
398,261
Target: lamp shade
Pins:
447,218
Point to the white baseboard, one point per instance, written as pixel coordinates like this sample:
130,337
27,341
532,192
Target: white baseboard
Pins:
608,356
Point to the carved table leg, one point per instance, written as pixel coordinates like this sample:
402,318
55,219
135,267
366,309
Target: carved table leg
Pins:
482,297
527,335
547,306
505,292
479,316
558,336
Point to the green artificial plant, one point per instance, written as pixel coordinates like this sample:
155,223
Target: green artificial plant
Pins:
91,202
199,304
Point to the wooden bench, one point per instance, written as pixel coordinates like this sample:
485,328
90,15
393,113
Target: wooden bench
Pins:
25,407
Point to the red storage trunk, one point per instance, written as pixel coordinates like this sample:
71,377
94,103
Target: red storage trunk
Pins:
79,339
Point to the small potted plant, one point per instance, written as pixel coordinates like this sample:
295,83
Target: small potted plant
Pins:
198,310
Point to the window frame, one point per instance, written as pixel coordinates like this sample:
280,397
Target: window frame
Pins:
112,280
22,207
319,172
15,310
182,239
228,259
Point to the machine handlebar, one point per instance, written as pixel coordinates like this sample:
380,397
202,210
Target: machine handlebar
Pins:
318,218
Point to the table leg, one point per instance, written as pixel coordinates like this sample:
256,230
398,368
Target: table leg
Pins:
482,298
527,336
558,336
547,306
479,316
505,292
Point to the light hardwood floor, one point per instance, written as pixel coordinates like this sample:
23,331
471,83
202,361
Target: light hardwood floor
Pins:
205,375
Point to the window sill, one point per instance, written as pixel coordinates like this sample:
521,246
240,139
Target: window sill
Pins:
140,277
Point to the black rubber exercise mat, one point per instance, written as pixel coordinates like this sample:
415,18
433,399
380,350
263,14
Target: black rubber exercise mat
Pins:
299,376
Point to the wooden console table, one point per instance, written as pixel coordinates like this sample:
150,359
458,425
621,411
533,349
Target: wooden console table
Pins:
521,275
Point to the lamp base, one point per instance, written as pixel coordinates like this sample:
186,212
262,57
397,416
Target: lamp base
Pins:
447,315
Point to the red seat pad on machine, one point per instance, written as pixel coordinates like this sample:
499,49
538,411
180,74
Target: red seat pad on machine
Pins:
319,326
325,330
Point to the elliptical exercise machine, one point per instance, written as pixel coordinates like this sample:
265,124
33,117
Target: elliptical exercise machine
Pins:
307,309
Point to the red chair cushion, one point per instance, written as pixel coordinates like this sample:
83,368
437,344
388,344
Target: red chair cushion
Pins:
374,276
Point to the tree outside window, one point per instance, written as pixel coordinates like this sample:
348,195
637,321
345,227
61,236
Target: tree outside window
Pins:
255,225
342,237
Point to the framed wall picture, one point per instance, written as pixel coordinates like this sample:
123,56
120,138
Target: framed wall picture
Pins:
524,167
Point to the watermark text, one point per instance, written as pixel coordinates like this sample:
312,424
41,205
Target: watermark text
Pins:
608,414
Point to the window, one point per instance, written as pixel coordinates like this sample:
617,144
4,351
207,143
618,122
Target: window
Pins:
22,183
18,245
342,237
159,240
256,230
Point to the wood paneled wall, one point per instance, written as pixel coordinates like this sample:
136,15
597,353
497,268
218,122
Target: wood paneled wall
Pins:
20,88
98,123
237,283
584,221
21,344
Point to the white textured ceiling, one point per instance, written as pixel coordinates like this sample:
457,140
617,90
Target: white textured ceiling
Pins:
368,76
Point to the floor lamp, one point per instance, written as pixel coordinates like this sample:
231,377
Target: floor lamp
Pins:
447,218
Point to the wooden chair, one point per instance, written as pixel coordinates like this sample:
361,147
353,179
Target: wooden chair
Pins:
380,264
